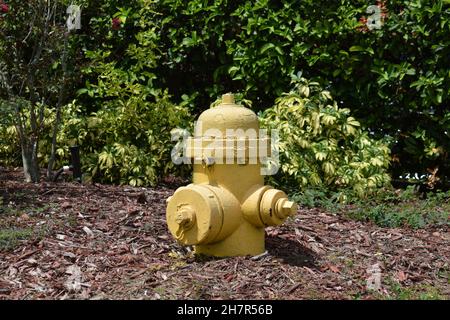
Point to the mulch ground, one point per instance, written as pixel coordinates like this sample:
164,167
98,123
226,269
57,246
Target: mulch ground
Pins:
111,242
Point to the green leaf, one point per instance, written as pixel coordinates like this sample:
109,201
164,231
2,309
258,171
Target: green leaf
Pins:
266,47
82,91
356,49
279,50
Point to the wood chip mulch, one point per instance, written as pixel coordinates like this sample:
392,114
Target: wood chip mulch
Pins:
111,242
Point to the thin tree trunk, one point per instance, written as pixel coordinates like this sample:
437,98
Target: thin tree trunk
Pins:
30,161
51,160
29,146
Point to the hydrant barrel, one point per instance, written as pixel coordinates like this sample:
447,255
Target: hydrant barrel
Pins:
226,208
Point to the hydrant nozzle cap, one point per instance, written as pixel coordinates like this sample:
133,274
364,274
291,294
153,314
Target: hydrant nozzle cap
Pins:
285,208
228,99
290,208
185,218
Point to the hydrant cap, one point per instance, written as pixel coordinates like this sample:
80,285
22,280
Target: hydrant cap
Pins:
228,116
194,215
228,99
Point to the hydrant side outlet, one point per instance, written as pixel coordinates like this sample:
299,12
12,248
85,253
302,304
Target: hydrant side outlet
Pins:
225,210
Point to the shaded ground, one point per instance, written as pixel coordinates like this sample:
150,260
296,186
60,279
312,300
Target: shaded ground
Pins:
65,241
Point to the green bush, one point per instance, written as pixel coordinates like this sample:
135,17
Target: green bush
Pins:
10,154
321,145
386,207
395,79
128,138
10,150
403,208
127,143
121,120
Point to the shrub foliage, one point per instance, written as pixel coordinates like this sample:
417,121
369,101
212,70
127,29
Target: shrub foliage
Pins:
321,145
395,79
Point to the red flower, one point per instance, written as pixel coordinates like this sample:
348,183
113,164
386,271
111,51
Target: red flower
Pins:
381,4
116,23
4,8
363,27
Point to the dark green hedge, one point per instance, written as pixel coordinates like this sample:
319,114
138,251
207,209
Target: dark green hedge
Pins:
395,79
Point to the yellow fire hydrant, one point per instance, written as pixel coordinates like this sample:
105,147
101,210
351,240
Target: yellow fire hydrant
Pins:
226,209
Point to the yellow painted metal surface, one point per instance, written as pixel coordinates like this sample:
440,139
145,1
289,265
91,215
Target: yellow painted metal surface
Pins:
225,210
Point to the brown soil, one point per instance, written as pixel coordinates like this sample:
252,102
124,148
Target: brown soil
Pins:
111,242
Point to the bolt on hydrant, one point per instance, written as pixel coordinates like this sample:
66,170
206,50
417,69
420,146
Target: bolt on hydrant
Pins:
226,209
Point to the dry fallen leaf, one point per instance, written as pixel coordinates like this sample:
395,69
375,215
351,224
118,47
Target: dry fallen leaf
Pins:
334,268
60,237
24,217
66,205
69,255
401,276
88,231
